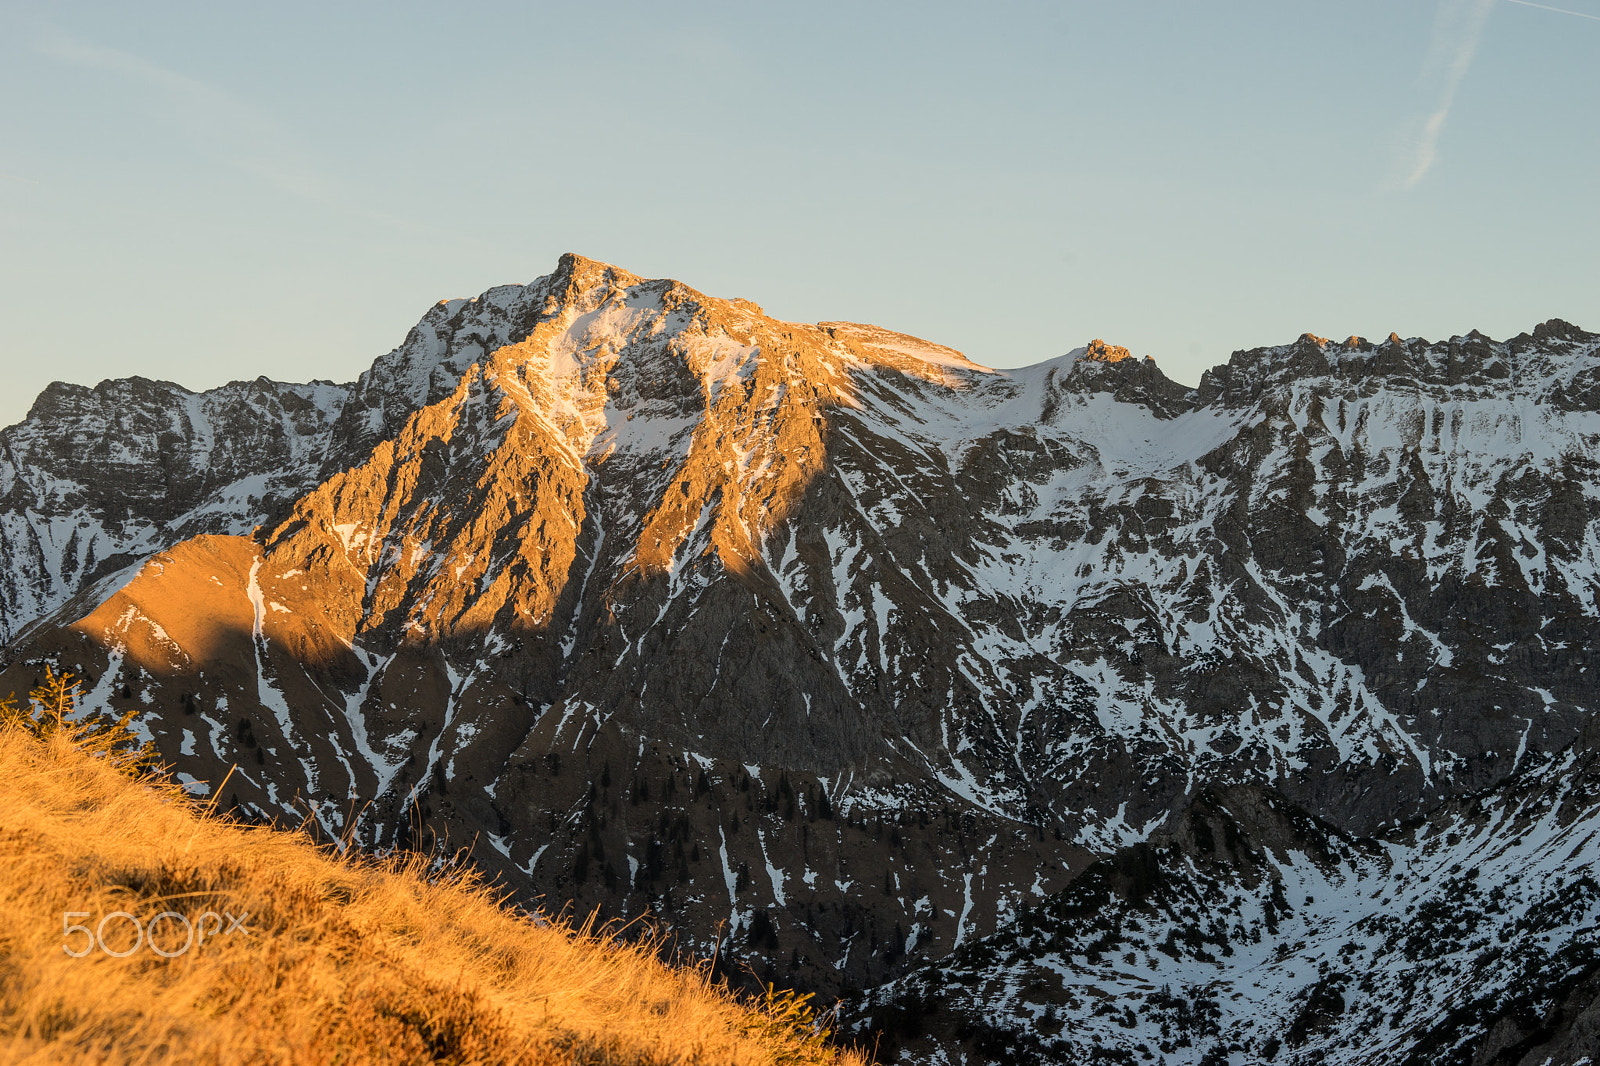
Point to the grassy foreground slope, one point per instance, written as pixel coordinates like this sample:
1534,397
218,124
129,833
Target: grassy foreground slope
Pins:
344,961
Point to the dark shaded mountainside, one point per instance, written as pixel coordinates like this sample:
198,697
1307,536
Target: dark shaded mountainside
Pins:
1073,714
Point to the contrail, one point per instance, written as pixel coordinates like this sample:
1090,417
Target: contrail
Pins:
1457,28
1547,7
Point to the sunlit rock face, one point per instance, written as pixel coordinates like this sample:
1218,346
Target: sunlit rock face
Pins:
833,649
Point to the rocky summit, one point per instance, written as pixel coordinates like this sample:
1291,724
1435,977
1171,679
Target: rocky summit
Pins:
1062,714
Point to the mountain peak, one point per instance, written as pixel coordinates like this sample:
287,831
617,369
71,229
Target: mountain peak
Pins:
1559,330
582,273
1101,352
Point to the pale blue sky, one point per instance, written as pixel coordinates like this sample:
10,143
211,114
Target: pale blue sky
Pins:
204,192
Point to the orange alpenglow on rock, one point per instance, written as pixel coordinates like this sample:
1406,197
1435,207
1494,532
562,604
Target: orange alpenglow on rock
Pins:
1101,352
613,521
824,643
546,500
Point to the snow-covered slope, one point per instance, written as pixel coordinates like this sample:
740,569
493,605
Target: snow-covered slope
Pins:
1256,933
836,650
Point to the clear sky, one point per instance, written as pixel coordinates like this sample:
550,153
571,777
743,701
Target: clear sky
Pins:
203,192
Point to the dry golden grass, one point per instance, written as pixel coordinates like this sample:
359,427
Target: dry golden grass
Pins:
346,961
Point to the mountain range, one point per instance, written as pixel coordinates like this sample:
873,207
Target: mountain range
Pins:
1061,714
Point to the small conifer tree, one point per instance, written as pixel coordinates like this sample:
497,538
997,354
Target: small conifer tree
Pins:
52,711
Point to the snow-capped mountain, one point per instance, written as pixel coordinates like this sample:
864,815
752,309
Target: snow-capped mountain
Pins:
95,480
854,659
1253,932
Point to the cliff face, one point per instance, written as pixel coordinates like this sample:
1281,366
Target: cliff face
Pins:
822,642
94,480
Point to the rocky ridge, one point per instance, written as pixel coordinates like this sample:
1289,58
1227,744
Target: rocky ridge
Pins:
1252,932
837,651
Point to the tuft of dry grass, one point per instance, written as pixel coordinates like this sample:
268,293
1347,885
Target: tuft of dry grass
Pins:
345,960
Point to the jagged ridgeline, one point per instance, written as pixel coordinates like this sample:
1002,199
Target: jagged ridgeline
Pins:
849,657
